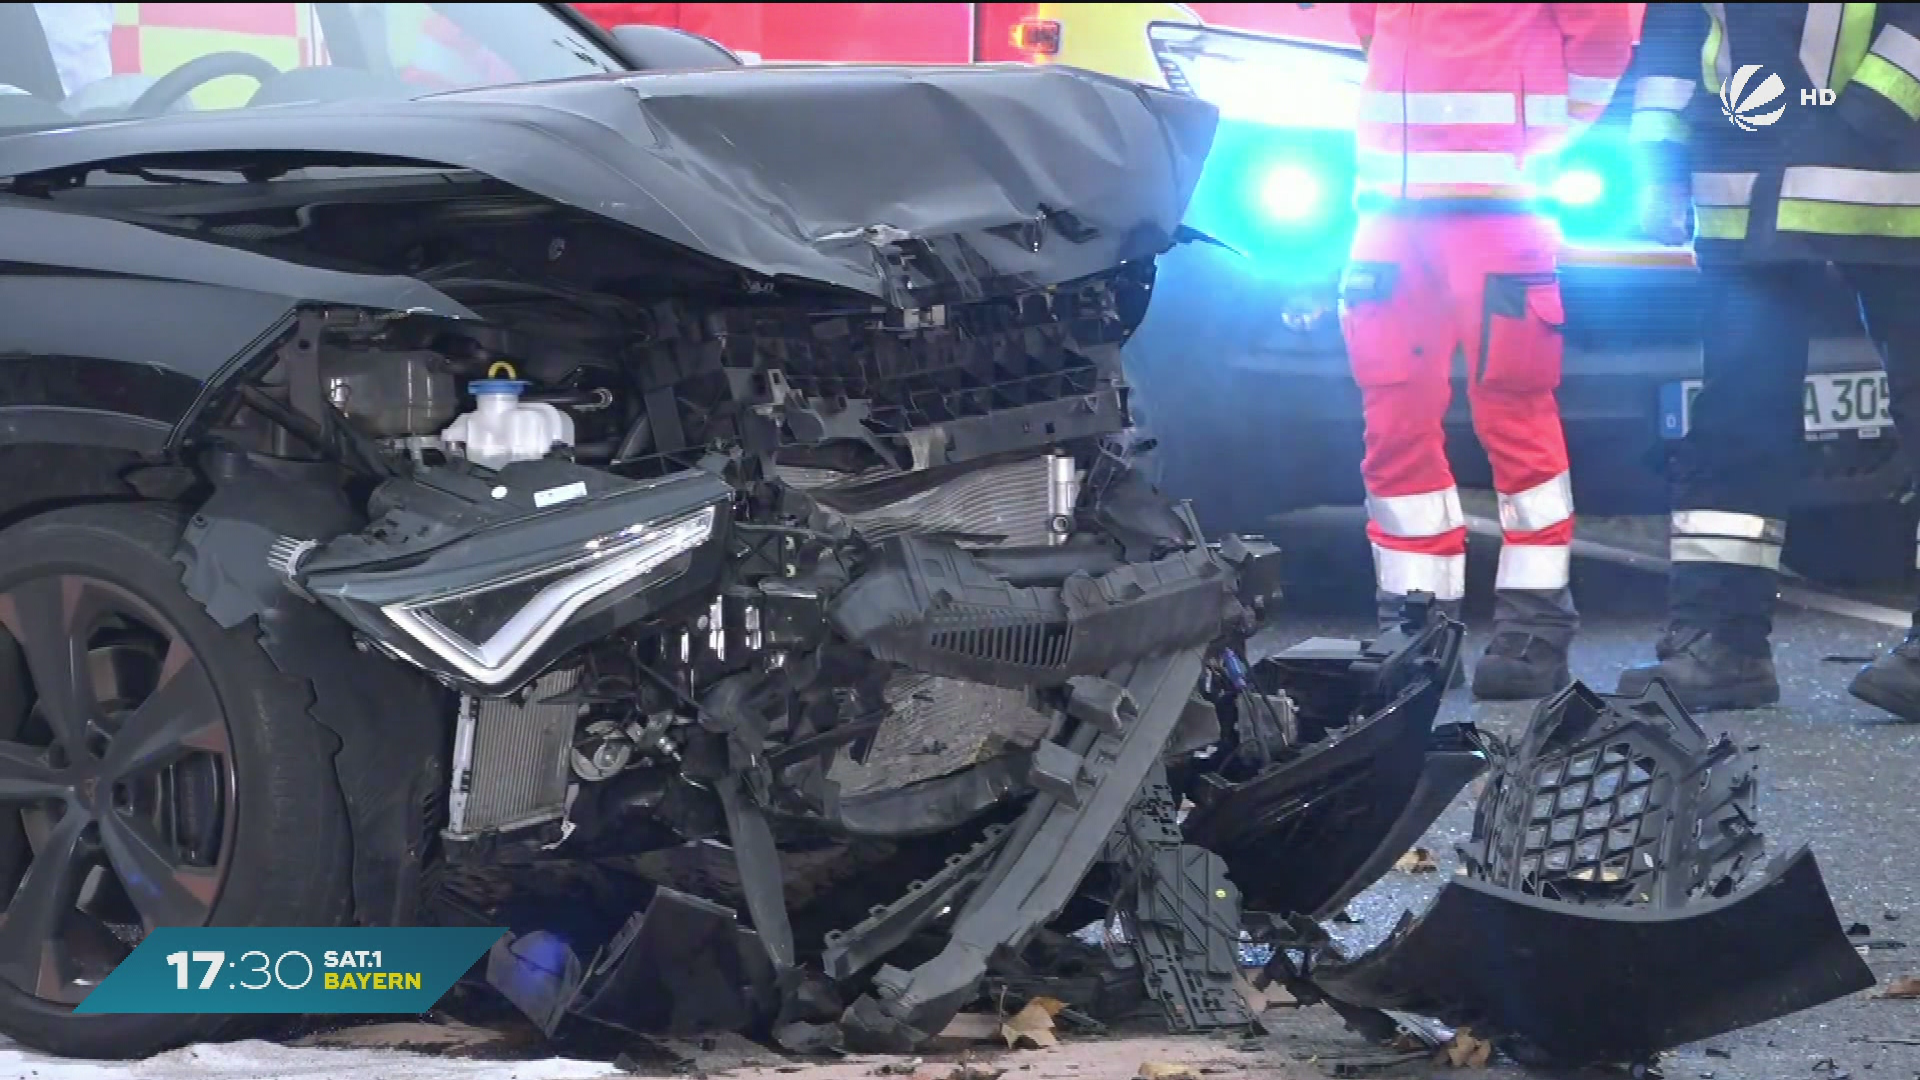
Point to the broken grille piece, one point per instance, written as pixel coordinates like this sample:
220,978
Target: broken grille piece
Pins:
1617,801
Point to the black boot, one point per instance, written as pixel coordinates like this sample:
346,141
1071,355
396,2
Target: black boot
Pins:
1705,674
1893,681
1519,666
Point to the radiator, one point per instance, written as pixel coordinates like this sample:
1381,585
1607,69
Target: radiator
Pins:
1011,500
511,767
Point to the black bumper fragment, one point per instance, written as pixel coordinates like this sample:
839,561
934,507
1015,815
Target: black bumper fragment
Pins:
1587,984
1308,833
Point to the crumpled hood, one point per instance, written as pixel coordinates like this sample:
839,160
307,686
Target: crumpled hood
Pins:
908,184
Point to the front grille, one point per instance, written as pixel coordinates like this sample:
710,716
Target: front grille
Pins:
510,766
1041,644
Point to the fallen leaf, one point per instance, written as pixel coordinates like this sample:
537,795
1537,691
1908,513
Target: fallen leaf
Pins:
1417,861
1032,1025
966,1071
1907,986
898,1068
1465,1052
1165,1070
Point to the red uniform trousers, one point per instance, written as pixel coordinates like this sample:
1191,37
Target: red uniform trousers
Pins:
1426,284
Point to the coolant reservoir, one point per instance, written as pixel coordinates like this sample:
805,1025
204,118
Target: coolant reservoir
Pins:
502,428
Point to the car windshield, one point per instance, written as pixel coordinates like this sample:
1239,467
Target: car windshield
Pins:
74,61
1262,79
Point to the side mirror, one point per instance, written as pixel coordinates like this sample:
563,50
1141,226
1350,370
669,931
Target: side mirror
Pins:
663,48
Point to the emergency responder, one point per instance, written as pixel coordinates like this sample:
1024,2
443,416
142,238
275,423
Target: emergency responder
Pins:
1463,107
1782,185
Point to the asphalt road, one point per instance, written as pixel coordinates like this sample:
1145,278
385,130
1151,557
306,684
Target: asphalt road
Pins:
1836,773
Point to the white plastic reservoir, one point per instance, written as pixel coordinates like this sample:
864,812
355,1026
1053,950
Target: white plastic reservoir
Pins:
503,429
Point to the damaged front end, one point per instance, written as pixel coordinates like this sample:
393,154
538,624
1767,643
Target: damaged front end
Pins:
1601,915
706,511
725,562
1329,759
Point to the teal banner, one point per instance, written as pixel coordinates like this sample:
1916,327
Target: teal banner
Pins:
232,969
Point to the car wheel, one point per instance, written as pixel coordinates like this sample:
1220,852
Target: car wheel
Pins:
155,770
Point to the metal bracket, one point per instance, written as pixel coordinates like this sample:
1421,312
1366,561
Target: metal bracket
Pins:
852,951
1049,852
1184,916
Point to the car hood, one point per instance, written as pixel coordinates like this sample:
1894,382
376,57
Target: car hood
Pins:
912,185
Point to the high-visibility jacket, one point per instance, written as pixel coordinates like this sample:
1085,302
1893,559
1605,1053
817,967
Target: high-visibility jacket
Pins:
1796,125
1474,100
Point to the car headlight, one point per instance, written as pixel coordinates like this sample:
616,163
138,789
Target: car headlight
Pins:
1292,194
483,585
490,631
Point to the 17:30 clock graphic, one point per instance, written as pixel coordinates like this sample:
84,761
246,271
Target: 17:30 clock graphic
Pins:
290,970
269,970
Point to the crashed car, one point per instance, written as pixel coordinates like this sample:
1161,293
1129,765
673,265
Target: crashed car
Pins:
632,500
687,516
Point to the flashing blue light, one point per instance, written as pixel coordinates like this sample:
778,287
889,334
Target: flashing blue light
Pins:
1579,187
1292,193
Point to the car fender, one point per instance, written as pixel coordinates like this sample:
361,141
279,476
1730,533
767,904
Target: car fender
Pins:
391,722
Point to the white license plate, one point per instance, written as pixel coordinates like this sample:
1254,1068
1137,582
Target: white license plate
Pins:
1853,401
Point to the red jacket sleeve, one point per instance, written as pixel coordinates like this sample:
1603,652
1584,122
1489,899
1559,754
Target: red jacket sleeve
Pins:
1361,16
1597,42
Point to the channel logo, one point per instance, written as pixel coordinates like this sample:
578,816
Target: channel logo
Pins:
1744,106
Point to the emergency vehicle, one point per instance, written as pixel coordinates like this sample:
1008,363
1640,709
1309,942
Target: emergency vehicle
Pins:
1241,358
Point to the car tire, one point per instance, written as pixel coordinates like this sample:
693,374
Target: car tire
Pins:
255,830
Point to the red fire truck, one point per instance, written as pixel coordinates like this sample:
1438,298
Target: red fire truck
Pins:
965,33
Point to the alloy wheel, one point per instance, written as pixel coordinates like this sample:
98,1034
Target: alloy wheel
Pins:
116,782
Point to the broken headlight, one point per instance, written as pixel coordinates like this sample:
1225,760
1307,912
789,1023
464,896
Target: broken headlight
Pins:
485,581
490,631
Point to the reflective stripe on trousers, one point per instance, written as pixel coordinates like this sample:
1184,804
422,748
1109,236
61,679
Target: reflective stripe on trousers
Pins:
1726,538
1540,507
1427,519
1401,572
1528,559
1534,567
1431,513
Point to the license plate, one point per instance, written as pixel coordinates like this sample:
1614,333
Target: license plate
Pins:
1850,401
